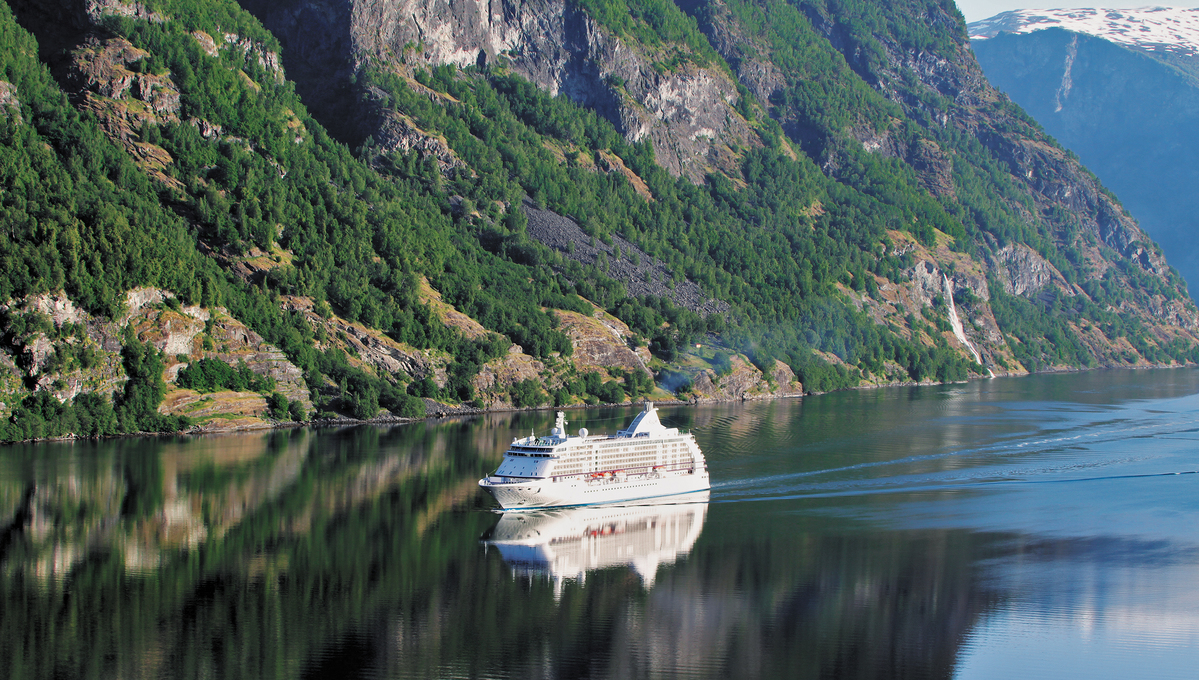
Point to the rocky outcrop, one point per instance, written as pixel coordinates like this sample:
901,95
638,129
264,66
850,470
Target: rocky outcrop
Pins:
1056,181
398,133
120,83
1179,313
1022,271
743,381
103,68
56,347
688,112
123,99
369,348
266,58
206,43
934,167
10,104
375,352
98,9
920,296
61,349
600,342
744,52
496,377
216,335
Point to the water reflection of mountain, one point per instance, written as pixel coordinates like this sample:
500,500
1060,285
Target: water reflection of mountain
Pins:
566,543
141,499
355,553
151,545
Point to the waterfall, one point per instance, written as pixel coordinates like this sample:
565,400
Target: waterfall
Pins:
956,323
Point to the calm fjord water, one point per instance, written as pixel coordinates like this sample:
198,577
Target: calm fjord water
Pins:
1032,527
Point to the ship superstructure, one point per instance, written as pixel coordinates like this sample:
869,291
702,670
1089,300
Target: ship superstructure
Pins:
644,460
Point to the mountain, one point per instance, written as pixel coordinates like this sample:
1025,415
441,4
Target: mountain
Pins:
1121,89
224,212
1161,30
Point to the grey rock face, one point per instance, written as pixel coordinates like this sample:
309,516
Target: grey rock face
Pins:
761,77
1022,271
687,113
399,133
98,9
10,104
926,279
103,67
1055,180
256,51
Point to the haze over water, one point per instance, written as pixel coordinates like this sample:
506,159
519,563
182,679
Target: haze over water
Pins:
1031,527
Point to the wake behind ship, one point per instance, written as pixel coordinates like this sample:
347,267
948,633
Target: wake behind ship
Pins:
644,460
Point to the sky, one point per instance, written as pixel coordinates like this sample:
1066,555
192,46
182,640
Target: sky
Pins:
985,9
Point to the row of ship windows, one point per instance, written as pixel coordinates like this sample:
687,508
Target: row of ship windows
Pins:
574,453
567,473
625,443
568,469
638,455
628,454
537,453
606,461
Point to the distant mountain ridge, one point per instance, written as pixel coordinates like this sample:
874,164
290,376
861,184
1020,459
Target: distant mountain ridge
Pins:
1168,29
1111,86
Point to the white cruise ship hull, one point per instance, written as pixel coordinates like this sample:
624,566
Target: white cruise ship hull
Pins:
547,493
644,460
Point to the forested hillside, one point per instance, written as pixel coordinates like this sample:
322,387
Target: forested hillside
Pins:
734,199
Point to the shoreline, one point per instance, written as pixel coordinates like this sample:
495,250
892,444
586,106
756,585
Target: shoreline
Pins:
462,411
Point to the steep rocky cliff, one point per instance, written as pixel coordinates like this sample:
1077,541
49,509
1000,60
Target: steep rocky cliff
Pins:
688,112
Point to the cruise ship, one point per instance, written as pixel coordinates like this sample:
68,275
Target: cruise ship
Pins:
644,460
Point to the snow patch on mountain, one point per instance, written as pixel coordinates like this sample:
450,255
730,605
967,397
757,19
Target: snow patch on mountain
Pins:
1170,29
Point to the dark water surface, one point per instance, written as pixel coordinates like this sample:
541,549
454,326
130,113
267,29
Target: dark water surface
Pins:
1043,527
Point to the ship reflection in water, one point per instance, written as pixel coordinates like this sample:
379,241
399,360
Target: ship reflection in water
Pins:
564,544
